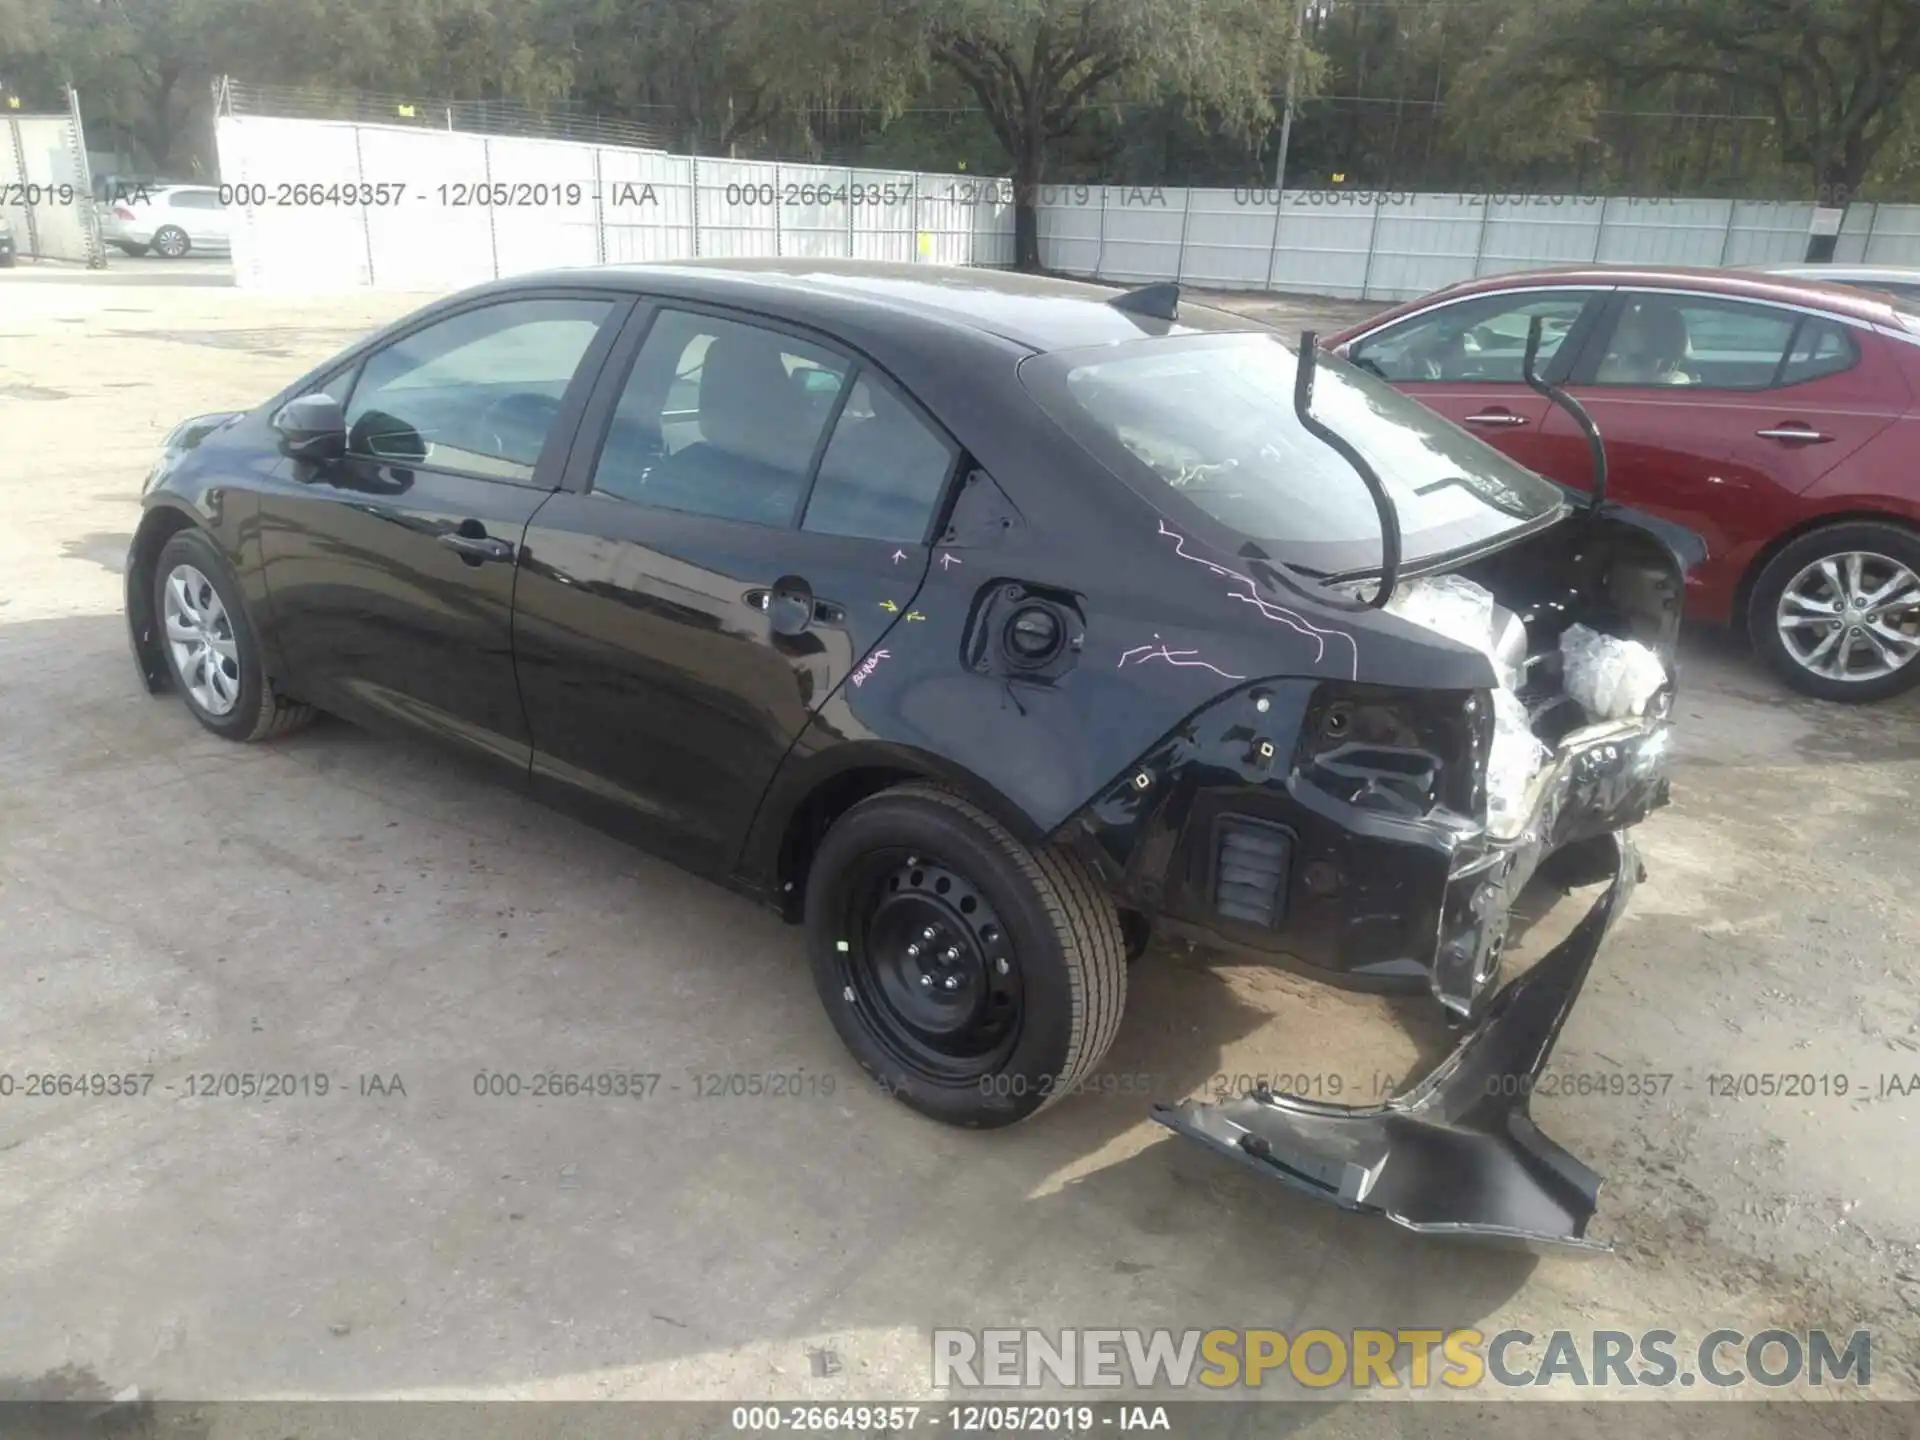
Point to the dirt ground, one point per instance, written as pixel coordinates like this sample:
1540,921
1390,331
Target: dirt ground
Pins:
342,905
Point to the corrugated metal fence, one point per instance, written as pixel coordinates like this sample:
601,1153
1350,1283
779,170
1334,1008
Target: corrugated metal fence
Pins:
46,193
326,204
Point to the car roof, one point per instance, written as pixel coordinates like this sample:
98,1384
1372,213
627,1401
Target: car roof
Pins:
1742,284
1039,312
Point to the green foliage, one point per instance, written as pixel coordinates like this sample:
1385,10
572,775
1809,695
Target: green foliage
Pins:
1777,96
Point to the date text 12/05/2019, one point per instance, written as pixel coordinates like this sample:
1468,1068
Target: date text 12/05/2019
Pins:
457,195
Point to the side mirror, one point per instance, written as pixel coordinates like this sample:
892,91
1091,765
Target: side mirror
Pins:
312,428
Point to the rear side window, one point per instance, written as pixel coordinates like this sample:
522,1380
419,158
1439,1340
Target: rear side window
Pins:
1822,347
720,418
196,200
884,470
1719,345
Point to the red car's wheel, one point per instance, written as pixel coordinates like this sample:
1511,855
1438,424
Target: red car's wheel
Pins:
1837,612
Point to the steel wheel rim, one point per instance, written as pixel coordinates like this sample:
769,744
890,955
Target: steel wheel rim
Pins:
948,1008
200,639
1851,617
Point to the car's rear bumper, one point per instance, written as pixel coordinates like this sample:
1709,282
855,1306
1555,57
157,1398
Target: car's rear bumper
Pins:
1361,888
1459,1154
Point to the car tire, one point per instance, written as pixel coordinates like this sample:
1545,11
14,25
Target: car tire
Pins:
172,242
1041,984
212,650
134,250
1882,550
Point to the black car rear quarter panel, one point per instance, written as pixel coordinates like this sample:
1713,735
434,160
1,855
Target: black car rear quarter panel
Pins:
1158,629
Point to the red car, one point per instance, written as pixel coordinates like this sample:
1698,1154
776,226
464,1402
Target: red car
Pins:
1778,419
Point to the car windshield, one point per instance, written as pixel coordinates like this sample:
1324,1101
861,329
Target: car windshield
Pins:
1210,419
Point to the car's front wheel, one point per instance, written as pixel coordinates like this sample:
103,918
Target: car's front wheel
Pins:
973,978
171,241
212,652
1837,612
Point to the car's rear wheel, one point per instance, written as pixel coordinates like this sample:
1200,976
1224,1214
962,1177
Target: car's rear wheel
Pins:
974,979
1837,612
212,651
171,241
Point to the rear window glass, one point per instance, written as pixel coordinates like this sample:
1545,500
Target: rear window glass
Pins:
1210,420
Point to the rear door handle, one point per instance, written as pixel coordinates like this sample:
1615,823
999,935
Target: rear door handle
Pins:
478,549
1804,434
1496,417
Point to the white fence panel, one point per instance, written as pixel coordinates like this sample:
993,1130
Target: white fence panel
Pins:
1072,221
1664,232
1229,238
288,246
1527,231
1146,227
46,193
551,212
816,217
882,225
442,236
646,205
1421,242
739,208
1895,236
1765,232
459,208
1322,246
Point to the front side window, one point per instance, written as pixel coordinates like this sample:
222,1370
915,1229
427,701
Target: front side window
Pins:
1718,344
1210,420
1477,341
478,392
720,418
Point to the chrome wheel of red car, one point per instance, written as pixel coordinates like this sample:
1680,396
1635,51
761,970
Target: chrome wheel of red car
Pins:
1854,616
1837,611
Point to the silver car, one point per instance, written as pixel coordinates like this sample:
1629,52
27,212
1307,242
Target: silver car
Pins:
170,220
1899,281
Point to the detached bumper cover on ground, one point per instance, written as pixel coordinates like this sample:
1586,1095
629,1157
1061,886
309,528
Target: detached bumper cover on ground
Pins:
1459,1155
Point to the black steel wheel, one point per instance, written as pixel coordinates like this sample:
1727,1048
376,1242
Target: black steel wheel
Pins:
974,979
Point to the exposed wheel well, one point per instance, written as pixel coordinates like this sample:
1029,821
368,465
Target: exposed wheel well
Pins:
1744,593
814,816
157,526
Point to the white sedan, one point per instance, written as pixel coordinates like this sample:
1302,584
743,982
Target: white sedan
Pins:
172,220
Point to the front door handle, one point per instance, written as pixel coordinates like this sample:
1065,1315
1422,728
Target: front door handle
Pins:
475,546
1803,434
1496,418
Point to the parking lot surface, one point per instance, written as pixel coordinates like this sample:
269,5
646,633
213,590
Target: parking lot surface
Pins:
344,907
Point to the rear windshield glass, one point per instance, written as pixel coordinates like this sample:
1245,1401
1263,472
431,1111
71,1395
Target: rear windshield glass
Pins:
1211,419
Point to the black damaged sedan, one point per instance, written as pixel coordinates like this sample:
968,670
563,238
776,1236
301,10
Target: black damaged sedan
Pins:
984,625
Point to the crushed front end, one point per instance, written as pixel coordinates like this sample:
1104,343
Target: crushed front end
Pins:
1378,835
